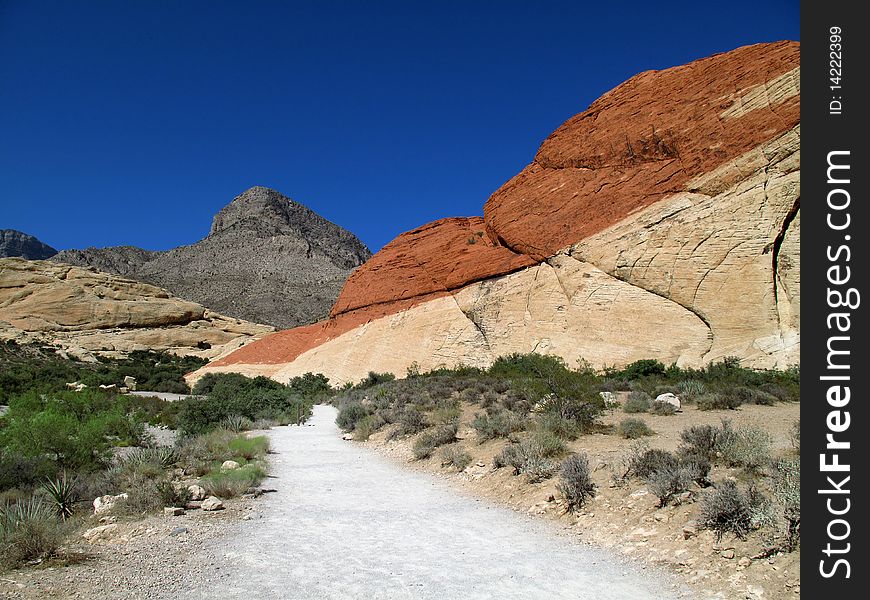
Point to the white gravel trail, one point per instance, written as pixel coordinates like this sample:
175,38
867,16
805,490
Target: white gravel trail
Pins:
347,523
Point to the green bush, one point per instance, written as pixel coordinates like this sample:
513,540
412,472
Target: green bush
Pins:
75,430
633,428
19,471
350,414
232,483
575,482
432,438
637,402
248,448
231,396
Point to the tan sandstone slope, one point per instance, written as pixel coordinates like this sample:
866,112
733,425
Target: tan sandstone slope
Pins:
85,312
662,222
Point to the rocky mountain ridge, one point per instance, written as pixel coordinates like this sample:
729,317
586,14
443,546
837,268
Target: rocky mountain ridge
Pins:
14,243
266,259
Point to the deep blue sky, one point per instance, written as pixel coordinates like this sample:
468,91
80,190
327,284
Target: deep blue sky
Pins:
133,122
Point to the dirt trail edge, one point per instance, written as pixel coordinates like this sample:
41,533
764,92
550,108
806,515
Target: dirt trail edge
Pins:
347,523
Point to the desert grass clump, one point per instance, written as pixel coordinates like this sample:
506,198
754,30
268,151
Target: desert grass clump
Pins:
454,455
366,426
232,483
717,401
669,481
410,420
248,448
575,482
645,462
638,402
633,428
429,440
29,530
349,414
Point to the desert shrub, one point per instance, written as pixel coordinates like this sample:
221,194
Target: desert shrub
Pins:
248,448
445,415
717,401
75,430
555,423
489,398
232,483
454,455
787,493
497,423
637,402
432,438
162,457
230,395
749,395
19,471
29,530
747,447
366,426
662,409
727,509
144,494
668,481
410,421
699,440
198,454
643,463
689,390
373,379
643,368
795,436
533,456
349,414
697,467
311,386
633,428
575,482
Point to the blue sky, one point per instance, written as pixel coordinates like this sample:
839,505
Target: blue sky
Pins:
133,122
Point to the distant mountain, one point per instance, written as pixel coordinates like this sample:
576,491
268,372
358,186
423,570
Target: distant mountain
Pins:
19,244
266,259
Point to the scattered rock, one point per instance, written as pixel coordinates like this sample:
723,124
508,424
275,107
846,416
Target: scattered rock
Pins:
212,503
178,531
197,492
669,398
744,561
103,532
690,529
130,383
347,436
229,465
104,504
173,511
729,554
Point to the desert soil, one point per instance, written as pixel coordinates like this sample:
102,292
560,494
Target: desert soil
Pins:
346,522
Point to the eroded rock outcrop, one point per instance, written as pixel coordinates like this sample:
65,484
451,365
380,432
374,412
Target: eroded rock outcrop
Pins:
84,311
664,222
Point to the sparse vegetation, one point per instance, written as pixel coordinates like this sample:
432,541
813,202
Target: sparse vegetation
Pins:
638,402
432,438
633,428
728,510
575,483
455,456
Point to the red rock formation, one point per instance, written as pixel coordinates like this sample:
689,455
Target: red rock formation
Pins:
435,258
638,143
646,140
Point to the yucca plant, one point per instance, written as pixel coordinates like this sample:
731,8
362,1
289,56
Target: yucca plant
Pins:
63,493
28,530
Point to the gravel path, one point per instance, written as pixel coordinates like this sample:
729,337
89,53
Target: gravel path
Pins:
347,523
